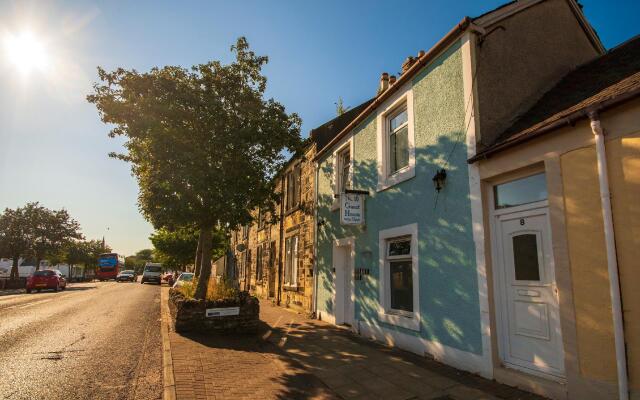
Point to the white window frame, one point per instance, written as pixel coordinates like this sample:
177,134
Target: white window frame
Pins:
403,98
294,261
338,187
404,319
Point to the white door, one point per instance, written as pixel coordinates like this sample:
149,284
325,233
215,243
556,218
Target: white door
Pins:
343,278
529,326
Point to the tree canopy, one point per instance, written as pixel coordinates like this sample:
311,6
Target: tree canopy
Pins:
203,143
176,248
36,232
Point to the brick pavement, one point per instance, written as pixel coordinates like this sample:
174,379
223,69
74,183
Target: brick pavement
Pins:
309,359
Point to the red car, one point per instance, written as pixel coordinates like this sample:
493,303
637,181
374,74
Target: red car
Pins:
47,279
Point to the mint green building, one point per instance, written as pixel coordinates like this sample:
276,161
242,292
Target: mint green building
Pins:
406,275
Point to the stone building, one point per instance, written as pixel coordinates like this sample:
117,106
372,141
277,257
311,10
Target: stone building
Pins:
274,255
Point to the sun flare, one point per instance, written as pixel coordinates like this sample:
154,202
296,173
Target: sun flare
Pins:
26,52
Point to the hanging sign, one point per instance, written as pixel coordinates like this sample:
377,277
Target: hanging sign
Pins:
352,208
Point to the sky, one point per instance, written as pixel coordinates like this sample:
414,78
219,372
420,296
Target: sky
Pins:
54,148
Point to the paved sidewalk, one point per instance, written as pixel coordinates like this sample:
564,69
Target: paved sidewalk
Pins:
309,359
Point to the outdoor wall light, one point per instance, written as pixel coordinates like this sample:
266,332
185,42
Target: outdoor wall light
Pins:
439,179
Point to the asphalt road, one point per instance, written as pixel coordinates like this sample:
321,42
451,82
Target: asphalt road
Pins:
92,341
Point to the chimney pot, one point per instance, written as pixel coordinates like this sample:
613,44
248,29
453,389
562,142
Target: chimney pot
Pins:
421,53
392,80
407,63
384,83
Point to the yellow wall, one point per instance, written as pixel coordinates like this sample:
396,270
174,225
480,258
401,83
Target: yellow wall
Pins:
588,261
624,174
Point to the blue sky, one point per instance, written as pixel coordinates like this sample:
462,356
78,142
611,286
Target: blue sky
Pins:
53,147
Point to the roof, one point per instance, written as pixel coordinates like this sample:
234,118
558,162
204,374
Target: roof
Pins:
611,76
323,134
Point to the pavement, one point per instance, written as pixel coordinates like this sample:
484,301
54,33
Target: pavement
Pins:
92,341
299,358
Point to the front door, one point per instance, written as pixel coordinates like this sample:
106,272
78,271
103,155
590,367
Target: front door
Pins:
529,327
343,278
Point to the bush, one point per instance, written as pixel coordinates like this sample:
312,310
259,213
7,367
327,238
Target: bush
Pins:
188,289
216,291
221,290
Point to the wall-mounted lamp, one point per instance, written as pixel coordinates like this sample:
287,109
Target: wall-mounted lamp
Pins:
439,179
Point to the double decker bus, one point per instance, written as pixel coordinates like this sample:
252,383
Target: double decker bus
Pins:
109,266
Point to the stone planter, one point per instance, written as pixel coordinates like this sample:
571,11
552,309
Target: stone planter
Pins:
189,315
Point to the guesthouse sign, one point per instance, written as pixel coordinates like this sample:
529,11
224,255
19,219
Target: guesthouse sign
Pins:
352,208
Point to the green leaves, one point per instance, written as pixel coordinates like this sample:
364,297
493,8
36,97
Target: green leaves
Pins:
203,142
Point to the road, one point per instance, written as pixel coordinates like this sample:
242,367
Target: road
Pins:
93,341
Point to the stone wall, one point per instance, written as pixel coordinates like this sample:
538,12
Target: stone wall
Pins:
188,315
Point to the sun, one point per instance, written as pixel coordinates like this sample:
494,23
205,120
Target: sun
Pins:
26,52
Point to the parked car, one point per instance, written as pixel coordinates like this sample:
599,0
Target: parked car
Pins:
152,273
168,278
183,278
47,279
127,275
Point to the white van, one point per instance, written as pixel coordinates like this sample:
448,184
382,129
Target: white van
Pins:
152,273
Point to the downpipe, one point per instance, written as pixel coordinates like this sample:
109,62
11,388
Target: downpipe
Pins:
612,260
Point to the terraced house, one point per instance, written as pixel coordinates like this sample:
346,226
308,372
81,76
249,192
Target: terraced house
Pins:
274,256
408,248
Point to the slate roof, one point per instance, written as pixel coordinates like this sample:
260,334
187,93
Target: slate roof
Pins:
611,75
323,134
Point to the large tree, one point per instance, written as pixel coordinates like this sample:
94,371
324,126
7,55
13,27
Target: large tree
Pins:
49,231
14,237
203,142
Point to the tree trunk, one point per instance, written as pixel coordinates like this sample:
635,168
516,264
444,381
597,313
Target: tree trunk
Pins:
38,263
205,268
14,268
198,254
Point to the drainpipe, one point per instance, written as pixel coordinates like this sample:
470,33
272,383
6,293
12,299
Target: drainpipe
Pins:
280,242
314,294
612,261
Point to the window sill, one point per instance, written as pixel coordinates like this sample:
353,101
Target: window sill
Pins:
399,177
403,321
291,288
292,210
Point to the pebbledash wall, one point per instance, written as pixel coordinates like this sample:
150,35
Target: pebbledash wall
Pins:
450,326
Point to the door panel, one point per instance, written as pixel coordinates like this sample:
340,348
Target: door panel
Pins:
529,329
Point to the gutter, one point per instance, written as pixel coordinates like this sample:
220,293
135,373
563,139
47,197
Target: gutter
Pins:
440,46
612,261
568,120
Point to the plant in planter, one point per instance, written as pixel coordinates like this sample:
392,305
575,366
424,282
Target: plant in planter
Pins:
225,310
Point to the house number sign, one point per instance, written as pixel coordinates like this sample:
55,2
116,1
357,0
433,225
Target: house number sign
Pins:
352,208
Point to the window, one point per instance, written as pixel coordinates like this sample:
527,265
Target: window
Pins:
262,218
292,199
259,262
525,257
400,271
396,141
291,261
245,232
521,191
399,277
343,180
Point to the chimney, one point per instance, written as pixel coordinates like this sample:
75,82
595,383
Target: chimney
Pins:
421,53
392,80
384,83
407,64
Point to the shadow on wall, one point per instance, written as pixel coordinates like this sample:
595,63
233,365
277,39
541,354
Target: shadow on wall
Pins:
449,305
